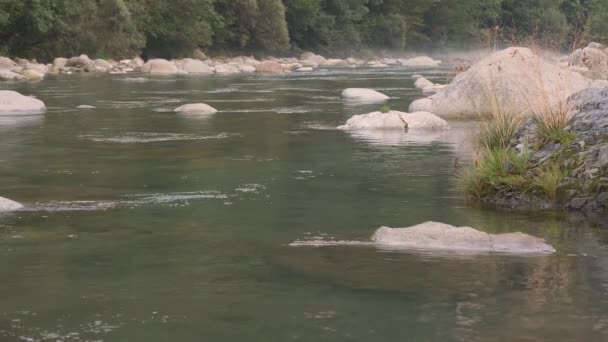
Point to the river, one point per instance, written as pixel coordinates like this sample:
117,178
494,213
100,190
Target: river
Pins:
146,225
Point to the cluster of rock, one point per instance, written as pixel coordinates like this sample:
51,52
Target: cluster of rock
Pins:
21,69
515,80
585,186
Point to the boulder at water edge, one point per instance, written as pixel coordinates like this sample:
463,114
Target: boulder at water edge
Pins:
269,67
159,67
363,95
196,108
515,78
195,66
439,236
226,69
7,75
8,205
422,61
395,120
11,102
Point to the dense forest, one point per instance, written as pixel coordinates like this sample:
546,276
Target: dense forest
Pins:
121,28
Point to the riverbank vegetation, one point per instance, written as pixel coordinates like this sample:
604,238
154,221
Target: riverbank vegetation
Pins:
44,29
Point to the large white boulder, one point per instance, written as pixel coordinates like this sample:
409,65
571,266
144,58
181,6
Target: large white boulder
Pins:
196,108
516,80
11,102
159,67
9,205
422,61
102,63
195,66
363,95
439,236
395,120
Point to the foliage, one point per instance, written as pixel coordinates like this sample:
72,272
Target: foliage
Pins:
549,179
160,28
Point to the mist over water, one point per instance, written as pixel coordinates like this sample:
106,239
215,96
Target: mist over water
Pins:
141,224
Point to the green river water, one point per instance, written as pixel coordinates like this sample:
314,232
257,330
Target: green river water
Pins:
146,225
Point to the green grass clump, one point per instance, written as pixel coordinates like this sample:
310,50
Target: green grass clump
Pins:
496,169
385,108
553,134
498,129
549,179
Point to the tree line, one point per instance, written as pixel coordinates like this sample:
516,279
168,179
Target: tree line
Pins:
45,29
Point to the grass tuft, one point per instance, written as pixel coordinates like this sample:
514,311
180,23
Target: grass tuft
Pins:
549,179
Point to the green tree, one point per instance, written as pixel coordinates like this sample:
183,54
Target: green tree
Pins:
271,28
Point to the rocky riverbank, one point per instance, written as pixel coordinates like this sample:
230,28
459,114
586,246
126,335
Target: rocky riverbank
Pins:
579,162
200,64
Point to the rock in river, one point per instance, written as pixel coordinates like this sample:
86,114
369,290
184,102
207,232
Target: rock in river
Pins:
516,79
363,95
439,236
395,120
159,67
8,205
12,102
196,108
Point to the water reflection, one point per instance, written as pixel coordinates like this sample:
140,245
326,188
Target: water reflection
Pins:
14,121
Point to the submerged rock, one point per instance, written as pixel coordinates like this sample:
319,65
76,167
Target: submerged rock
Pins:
516,79
439,236
364,95
13,102
159,67
196,108
396,121
9,205
86,107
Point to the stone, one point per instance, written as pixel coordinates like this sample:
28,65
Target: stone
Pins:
7,63
7,205
102,63
516,79
195,66
196,108
305,69
439,236
247,68
577,203
422,83
226,69
159,67
60,62
593,58
602,156
11,102
269,67
395,120
422,61
309,57
81,62
364,95
32,75
7,75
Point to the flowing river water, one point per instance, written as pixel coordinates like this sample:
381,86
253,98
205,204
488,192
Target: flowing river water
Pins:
146,225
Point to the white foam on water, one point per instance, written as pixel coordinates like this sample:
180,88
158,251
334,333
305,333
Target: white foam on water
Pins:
250,188
134,79
222,90
55,206
318,243
138,138
293,110
163,198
